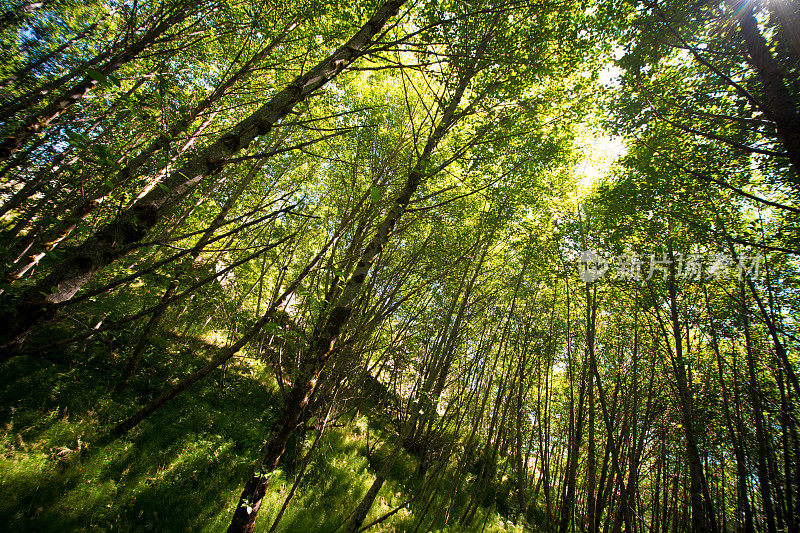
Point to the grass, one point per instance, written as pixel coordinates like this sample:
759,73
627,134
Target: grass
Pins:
183,468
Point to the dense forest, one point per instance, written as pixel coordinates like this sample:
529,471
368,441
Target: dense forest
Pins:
400,265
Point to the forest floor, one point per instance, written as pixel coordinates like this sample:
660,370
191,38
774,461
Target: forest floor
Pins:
181,469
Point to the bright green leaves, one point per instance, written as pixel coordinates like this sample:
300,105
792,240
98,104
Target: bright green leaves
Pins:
101,153
104,155
104,80
77,139
376,193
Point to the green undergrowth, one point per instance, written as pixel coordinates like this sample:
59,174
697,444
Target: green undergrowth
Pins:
182,469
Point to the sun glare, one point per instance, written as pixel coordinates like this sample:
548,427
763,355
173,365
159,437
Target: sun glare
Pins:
599,154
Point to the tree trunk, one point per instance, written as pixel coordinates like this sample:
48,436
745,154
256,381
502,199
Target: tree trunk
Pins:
703,517
62,102
90,202
591,461
127,424
784,109
155,318
324,339
758,414
741,466
120,236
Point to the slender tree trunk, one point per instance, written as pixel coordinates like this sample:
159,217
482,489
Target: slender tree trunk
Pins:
758,415
788,451
324,339
784,109
703,516
152,323
591,461
568,500
224,355
300,474
741,467
655,505
121,235
62,102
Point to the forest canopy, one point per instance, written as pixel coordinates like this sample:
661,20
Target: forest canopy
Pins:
499,265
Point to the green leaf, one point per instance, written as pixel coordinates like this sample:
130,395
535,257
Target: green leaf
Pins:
77,139
115,80
99,150
376,193
97,76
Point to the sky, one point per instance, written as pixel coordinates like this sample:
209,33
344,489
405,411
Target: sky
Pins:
600,152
